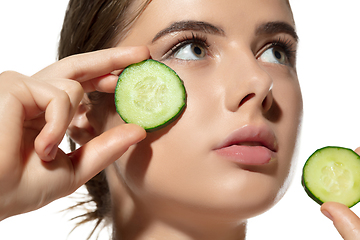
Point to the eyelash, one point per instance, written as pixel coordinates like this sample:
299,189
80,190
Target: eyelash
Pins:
286,45
193,39
283,43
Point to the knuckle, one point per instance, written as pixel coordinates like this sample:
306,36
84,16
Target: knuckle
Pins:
75,91
8,73
77,88
63,97
8,76
11,81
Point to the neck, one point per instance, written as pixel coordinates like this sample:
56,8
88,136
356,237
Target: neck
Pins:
140,225
158,230
134,221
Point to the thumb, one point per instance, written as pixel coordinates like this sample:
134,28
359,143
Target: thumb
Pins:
357,150
103,150
345,221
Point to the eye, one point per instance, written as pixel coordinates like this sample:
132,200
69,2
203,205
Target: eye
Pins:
274,55
190,48
190,51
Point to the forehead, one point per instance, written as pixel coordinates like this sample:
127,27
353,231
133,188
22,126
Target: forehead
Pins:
183,8
230,15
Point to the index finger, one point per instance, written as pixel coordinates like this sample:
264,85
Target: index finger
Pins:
94,66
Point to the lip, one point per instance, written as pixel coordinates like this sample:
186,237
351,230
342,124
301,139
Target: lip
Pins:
249,145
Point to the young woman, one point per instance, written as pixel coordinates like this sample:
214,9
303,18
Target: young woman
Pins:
226,159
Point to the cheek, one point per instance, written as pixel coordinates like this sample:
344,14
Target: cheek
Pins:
287,95
183,176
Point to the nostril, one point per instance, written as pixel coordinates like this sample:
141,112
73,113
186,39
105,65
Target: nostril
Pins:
246,98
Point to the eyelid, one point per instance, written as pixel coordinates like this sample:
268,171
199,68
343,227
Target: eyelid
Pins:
194,38
284,43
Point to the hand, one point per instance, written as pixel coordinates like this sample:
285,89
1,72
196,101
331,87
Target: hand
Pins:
34,115
346,221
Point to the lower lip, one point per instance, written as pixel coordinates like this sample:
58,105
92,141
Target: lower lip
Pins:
247,155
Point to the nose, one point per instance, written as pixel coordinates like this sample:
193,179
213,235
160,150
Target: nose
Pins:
247,84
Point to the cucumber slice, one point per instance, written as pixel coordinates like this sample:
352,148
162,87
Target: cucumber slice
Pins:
332,174
149,94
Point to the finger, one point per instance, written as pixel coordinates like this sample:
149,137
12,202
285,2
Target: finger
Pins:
72,88
357,150
59,106
104,83
103,150
94,65
19,103
12,113
345,220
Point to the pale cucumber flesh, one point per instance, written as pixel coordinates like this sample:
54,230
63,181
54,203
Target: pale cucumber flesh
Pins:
149,94
332,174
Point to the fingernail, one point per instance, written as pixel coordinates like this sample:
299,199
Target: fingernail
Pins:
327,214
51,151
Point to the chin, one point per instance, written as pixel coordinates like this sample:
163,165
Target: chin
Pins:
245,202
232,199
242,192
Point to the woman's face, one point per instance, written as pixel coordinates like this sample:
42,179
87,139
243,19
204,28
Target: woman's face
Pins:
230,152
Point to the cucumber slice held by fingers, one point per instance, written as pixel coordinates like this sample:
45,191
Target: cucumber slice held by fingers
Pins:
332,174
149,94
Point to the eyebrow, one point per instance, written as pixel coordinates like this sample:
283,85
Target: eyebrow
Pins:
268,28
271,28
190,26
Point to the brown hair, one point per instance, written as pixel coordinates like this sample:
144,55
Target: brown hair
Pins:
91,25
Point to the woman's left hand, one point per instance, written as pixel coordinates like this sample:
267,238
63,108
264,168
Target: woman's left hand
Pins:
345,221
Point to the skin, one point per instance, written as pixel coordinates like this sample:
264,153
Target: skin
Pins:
173,170
173,181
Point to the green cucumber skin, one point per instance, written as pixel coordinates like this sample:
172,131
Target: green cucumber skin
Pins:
169,121
303,183
309,193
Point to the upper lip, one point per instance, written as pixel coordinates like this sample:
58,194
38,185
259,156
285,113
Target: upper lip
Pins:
251,136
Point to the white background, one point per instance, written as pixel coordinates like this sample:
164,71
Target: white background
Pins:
328,69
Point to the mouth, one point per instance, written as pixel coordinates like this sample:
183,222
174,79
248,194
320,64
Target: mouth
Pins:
249,145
